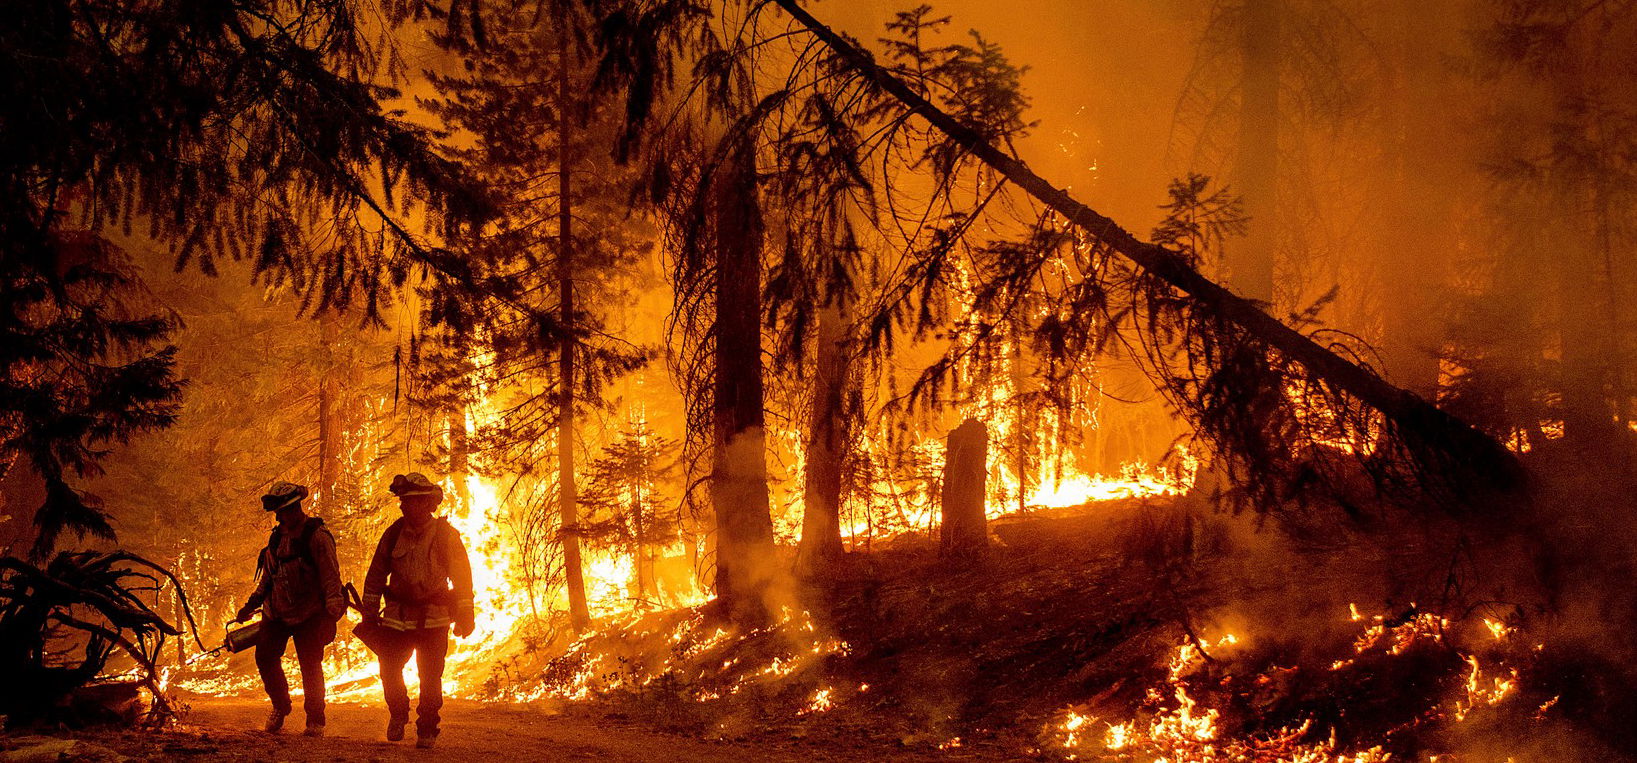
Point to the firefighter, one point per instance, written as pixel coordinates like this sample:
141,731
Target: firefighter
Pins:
299,594
421,569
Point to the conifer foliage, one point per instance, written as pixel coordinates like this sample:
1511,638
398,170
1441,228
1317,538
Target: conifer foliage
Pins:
561,244
251,129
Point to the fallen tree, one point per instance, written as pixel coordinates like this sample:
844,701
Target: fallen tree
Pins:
1470,465
61,625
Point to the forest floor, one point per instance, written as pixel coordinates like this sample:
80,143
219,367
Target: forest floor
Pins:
1073,620
1080,620
228,729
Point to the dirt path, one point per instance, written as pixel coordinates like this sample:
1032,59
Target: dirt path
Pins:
227,729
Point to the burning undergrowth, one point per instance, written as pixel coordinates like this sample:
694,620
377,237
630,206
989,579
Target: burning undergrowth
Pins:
1073,650
1411,686
691,670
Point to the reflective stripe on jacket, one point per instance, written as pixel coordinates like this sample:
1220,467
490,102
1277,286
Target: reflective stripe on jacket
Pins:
425,577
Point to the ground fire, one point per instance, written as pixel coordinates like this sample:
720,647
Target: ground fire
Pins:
1174,382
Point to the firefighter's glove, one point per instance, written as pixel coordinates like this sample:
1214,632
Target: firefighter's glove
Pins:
245,613
464,627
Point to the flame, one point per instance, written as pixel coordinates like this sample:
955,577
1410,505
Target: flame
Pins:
819,702
500,605
1479,693
1134,481
1175,726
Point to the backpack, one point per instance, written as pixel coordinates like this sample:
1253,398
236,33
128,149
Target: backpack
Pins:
304,547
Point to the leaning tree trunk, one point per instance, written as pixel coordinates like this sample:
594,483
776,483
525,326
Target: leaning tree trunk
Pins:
1421,422
579,614
826,446
1256,169
738,488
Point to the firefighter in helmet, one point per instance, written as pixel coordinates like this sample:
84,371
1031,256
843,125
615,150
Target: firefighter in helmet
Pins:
421,569
299,594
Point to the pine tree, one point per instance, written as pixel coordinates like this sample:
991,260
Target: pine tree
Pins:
255,131
629,511
561,242
1563,190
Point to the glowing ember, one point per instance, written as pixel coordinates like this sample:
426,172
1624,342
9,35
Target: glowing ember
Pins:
819,702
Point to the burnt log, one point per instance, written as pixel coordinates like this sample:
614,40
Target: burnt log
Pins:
965,530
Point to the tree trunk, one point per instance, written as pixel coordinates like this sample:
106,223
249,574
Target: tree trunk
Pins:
1414,246
640,557
1419,420
579,614
329,412
965,530
738,489
1020,421
1581,266
1256,169
827,439
460,446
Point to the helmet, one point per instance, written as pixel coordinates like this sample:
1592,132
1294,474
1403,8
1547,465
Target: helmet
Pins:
414,483
283,494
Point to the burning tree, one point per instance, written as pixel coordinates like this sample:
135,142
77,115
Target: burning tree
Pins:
558,249
1225,361
714,203
630,511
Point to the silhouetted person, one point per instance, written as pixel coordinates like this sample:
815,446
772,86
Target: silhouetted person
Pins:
421,567
298,590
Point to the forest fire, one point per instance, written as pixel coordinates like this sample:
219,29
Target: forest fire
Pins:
1133,481
1175,726
752,372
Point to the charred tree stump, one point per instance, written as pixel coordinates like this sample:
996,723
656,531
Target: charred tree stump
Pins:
965,529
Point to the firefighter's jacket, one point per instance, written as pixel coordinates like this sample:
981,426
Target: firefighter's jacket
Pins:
424,575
